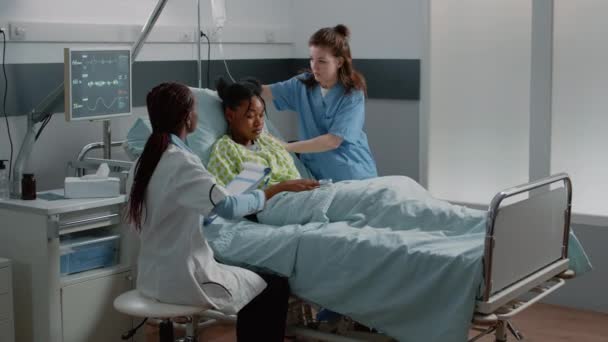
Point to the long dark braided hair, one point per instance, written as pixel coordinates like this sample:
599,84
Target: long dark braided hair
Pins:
169,105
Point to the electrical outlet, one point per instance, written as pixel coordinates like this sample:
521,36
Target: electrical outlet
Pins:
185,37
17,32
270,37
211,34
4,28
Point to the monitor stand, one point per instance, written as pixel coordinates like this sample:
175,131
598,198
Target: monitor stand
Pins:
107,140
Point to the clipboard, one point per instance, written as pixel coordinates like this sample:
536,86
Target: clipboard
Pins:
247,180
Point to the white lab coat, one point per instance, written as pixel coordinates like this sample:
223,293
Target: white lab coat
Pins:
176,264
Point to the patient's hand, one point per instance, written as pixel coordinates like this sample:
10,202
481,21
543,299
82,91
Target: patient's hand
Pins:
296,185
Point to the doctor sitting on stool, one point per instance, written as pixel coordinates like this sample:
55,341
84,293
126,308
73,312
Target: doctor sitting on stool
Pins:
170,191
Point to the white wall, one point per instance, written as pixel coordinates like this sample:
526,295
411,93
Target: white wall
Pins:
578,138
387,29
588,291
379,29
177,13
61,141
392,129
478,98
580,102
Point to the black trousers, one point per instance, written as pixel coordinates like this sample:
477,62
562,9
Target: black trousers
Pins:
264,318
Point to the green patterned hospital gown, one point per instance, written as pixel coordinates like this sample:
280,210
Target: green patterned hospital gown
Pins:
227,158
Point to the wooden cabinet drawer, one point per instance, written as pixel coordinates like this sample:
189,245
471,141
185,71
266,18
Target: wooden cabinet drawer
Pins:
4,280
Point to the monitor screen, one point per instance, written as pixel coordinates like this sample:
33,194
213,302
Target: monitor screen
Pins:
97,83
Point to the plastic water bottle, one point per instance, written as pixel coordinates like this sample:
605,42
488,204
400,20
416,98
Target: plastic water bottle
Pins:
4,190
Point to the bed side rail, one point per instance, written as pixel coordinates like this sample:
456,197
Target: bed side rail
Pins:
526,237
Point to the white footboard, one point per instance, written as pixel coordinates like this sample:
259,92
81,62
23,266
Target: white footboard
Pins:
527,241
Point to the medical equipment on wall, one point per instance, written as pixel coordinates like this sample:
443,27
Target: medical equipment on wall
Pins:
218,12
97,87
40,113
97,83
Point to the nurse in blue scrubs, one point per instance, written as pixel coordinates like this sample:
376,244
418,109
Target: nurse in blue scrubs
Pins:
330,101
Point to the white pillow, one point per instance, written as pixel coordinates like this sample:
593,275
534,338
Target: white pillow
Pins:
211,126
211,123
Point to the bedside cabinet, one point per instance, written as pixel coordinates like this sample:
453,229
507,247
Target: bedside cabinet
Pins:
7,326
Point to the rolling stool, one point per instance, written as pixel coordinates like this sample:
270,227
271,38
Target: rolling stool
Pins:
134,304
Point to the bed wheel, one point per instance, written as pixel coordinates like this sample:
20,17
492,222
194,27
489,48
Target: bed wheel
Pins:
485,320
569,274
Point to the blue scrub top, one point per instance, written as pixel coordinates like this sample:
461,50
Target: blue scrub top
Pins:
336,113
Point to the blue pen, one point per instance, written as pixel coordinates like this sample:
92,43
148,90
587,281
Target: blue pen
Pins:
266,173
209,218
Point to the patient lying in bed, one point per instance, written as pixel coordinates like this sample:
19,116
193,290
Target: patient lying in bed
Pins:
395,202
414,236
247,141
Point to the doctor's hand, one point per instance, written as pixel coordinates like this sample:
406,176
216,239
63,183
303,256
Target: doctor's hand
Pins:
296,185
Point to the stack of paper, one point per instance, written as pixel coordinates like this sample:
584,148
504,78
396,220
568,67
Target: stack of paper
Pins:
249,179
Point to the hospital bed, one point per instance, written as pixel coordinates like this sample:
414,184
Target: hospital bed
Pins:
525,245
518,272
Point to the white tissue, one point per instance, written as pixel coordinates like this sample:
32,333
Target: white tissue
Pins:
95,185
102,172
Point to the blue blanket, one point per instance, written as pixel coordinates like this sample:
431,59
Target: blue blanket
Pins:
385,253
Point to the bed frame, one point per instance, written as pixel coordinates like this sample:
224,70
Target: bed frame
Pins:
526,252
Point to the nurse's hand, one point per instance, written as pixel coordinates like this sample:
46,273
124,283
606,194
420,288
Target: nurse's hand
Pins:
296,185
322,143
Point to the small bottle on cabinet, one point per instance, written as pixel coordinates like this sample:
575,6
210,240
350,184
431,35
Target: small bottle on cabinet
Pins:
28,187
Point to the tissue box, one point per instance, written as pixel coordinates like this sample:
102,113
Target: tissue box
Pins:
93,187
